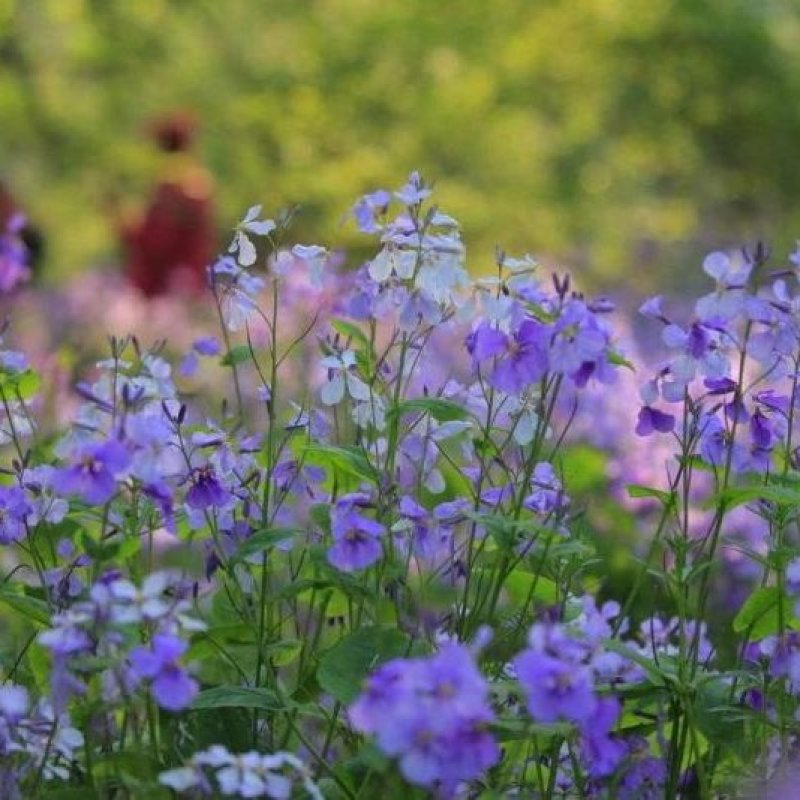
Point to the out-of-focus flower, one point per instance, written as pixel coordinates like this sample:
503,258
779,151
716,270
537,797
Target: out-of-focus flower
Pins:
172,688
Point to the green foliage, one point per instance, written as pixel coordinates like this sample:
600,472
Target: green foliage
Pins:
343,669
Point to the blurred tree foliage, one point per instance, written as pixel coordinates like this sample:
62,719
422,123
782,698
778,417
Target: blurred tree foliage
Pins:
622,137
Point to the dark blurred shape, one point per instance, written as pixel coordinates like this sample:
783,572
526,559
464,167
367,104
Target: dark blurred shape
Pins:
14,221
170,245
20,245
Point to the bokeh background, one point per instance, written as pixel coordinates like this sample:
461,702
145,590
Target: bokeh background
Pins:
621,139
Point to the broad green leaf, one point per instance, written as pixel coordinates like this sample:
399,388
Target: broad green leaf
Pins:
349,460
344,668
20,384
30,607
720,721
264,540
284,653
236,355
759,613
741,495
520,584
238,697
441,409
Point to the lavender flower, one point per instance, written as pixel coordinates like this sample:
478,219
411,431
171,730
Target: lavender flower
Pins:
14,512
94,472
356,539
172,688
431,715
206,491
556,690
520,359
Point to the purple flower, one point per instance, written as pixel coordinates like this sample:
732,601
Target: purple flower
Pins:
580,343
356,539
206,490
387,687
94,473
427,538
172,688
652,307
701,352
793,576
161,496
644,780
14,509
521,359
555,690
548,494
207,346
715,443
368,207
431,715
600,751
14,256
414,191
189,364
651,419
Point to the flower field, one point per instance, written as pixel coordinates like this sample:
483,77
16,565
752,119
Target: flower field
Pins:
392,530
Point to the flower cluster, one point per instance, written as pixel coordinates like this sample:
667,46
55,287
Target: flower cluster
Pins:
96,630
432,715
33,739
285,543
247,775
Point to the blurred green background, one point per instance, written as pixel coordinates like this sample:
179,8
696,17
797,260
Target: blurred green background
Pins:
623,139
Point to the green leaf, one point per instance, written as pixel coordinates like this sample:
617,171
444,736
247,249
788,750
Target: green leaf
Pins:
741,495
349,460
636,490
264,540
238,697
30,607
343,669
20,384
760,611
27,384
617,358
441,409
284,653
719,721
100,551
351,331
320,514
236,355
522,584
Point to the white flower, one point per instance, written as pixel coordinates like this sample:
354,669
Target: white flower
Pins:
372,412
342,378
247,775
237,292
392,261
727,300
241,244
520,265
181,779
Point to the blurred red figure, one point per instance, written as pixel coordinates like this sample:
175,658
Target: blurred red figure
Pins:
170,246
